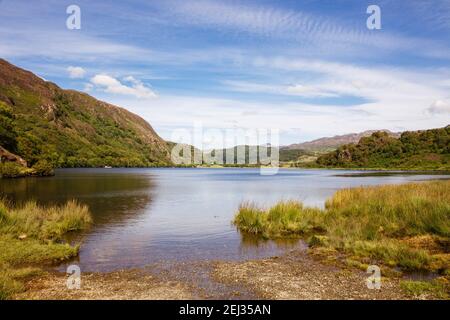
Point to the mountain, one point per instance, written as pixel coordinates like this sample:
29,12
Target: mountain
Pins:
40,122
332,143
424,149
241,155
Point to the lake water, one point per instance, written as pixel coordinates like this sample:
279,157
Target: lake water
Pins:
144,216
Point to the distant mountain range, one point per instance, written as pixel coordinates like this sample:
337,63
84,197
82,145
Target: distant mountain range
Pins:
43,125
331,143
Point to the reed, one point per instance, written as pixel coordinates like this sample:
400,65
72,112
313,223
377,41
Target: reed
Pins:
32,235
407,226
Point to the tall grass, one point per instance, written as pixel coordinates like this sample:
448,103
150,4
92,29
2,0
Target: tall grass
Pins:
375,223
288,218
31,235
394,210
41,223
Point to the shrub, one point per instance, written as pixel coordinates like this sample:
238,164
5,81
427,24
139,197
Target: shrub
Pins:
13,170
43,168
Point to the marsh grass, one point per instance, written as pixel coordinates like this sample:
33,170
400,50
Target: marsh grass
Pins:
370,224
285,219
421,289
41,223
32,235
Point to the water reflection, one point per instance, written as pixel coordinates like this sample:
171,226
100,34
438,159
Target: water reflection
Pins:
249,240
142,216
112,197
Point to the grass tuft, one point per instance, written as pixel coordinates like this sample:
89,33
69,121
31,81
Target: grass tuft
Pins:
422,289
398,225
285,219
31,235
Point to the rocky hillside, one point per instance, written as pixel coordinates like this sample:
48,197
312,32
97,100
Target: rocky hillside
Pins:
331,143
42,122
425,149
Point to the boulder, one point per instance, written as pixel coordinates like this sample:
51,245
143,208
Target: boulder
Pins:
6,156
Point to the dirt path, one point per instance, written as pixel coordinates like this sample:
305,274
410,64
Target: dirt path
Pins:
296,275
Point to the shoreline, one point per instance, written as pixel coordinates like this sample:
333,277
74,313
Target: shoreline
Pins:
445,172
319,272
364,171
293,276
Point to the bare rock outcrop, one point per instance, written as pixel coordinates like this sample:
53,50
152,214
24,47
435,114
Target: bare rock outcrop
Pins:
6,156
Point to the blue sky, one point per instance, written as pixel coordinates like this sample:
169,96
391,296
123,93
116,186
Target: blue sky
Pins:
308,68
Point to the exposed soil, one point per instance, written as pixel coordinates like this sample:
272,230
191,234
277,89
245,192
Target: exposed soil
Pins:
296,275
124,285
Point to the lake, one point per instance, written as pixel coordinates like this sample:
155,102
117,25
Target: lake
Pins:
144,216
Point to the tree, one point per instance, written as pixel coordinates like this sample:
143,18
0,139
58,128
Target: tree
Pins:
7,133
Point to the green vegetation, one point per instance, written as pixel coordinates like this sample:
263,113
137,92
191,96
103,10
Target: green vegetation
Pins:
419,150
298,157
243,158
14,170
81,138
51,127
438,288
8,134
42,168
32,235
285,219
405,226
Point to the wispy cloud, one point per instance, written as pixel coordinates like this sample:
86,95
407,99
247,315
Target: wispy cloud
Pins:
64,45
309,31
332,79
435,13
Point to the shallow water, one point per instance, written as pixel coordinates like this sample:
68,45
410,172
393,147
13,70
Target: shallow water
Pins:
144,216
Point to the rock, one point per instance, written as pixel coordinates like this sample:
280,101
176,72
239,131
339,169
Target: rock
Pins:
5,155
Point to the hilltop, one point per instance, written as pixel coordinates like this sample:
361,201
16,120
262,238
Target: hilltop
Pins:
327,144
424,149
43,123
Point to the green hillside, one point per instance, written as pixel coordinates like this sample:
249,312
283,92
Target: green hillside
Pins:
427,149
41,122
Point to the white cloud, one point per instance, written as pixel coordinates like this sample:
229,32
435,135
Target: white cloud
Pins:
110,84
407,88
296,121
439,107
402,88
76,72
